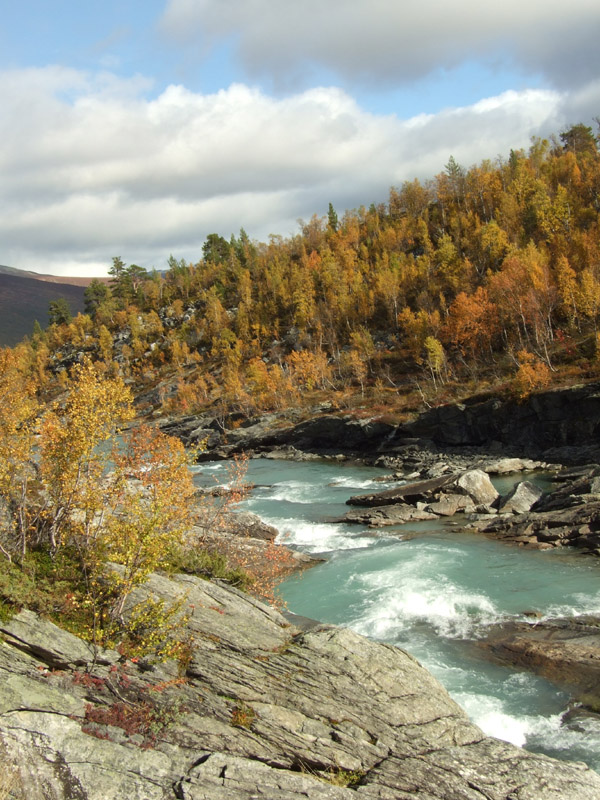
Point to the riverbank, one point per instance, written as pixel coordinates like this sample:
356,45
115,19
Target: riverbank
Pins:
559,426
430,589
568,516
260,707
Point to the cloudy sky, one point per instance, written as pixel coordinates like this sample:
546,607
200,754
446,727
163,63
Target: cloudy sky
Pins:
137,127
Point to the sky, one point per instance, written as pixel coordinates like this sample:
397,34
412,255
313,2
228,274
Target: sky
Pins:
135,128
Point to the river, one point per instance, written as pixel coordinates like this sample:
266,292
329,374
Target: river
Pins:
431,589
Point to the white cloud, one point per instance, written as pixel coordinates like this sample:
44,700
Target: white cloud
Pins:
91,167
392,42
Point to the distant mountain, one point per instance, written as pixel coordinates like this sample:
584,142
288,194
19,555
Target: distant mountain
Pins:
25,297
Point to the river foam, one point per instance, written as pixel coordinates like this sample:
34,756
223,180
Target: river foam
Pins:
431,590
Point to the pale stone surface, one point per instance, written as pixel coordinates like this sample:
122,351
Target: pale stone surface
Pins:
477,484
266,710
503,466
40,637
524,495
388,515
449,504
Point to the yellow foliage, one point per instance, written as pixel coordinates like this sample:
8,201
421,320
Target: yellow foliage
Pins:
72,459
309,370
435,358
532,374
105,342
18,409
155,494
268,386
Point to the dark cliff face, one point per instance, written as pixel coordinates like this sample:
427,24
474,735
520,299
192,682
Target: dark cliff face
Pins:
558,425
560,418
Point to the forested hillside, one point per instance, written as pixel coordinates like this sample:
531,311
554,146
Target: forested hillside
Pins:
481,278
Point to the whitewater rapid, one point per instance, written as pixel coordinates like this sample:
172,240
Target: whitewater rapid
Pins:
431,589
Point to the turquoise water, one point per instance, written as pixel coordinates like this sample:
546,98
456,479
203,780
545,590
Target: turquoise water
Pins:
430,589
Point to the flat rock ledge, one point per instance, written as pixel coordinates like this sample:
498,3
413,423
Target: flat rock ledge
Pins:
260,709
566,650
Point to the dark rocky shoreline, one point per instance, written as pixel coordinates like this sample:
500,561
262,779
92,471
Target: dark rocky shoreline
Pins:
560,426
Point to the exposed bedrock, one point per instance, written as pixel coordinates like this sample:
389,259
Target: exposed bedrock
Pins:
263,709
561,425
564,650
564,423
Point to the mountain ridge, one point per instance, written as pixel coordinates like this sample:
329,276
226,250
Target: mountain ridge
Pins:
25,297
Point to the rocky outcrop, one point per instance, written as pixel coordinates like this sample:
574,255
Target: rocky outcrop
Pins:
565,650
569,516
560,424
578,526
421,500
244,537
260,708
380,517
324,434
243,524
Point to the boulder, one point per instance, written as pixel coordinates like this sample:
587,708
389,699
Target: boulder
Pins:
522,498
449,504
245,523
478,486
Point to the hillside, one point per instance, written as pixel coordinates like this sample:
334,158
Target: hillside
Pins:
46,278
478,281
25,296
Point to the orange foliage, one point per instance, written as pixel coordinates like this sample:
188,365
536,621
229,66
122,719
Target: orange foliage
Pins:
472,323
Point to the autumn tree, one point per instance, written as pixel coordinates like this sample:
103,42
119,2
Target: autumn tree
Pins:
309,371
155,495
435,358
472,324
127,500
105,344
18,410
532,374
73,461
